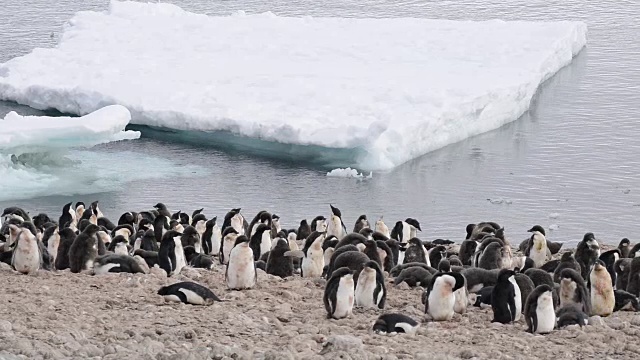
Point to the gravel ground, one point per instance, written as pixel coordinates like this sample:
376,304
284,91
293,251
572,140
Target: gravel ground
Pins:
56,315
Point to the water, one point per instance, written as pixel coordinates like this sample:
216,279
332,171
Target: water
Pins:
571,162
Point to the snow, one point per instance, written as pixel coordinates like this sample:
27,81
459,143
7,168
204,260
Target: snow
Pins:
33,134
348,173
388,90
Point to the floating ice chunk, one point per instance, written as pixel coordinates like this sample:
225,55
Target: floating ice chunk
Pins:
39,134
554,227
349,172
554,215
388,89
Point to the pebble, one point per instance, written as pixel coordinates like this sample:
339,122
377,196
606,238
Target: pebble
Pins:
5,326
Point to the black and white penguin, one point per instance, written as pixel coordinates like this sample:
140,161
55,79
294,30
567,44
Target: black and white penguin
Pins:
567,261
573,290
51,238
116,263
171,253
336,226
370,290
229,237
241,270
313,257
633,284
189,293
538,250
304,229
199,222
280,261
625,247
439,295
571,315
119,245
609,258
395,323
197,260
503,298
416,252
162,210
587,253
160,226
405,230
626,301
260,240
319,224
436,254
339,294
211,237
127,218
263,217
68,217
386,255
235,219
603,299
329,247
84,249
149,257
190,237
27,256
361,223
67,237
539,312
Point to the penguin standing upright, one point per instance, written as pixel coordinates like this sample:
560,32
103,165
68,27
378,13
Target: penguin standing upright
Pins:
199,222
336,226
67,237
319,224
603,299
361,223
540,313
339,294
235,219
538,250
405,230
573,290
587,253
303,230
382,228
51,238
190,237
313,260
68,217
503,298
440,295
370,289
241,269
26,257
416,252
211,237
162,210
624,246
229,237
279,262
260,240
171,256
84,249
567,261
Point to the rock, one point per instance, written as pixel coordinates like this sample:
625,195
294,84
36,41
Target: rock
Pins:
403,286
596,321
5,326
339,343
92,350
157,272
5,267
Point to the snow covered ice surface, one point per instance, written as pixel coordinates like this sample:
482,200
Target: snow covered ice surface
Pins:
385,90
349,173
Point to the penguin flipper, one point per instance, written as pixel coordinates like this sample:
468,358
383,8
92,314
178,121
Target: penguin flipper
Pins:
512,305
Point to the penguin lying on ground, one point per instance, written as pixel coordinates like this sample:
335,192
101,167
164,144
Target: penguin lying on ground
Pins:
188,293
395,323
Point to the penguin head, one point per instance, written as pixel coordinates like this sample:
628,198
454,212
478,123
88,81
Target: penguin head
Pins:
415,242
66,208
90,229
229,230
335,211
414,223
469,229
624,242
198,217
160,206
600,266
537,228
505,275
367,232
444,265
170,235
590,239
241,240
196,212
303,222
80,205
281,245
190,231
262,228
145,225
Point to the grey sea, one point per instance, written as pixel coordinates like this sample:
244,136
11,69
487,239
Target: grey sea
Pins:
570,164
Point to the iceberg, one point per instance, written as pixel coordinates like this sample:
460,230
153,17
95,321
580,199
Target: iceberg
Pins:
373,93
39,134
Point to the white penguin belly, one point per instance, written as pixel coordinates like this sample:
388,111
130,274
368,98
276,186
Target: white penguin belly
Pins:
226,250
517,299
104,269
265,243
364,289
216,238
441,305
461,300
538,256
241,272
52,248
181,262
344,299
313,264
192,298
121,249
335,227
26,258
546,317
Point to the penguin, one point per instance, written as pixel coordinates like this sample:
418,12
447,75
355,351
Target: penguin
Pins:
351,239
148,241
386,256
517,297
68,217
483,296
523,263
361,223
27,256
371,250
405,230
382,228
303,230
319,224
260,240
313,261
539,277
116,263
625,301
211,237
149,257
396,270
67,237
416,252
171,254
370,290
125,231
190,237
339,294
354,260
571,315
241,270
609,258
176,225
440,298
51,238
162,210
106,223
538,250
587,253
503,298
550,266
234,219
329,248
160,227
567,261
189,293
539,312
119,245
127,218
633,284
14,210
40,220
336,226
479,278
624,246
526,286
263,217
279,261
395,323
199,222
602,296
229,237
491,256
573,290
84,249
622,268
436,254
467,249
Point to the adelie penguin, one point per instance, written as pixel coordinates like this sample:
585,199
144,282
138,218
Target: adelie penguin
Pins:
319,224
339,294
115,263
440,295
260,240
280,262
68,217
587,253
84,249
211,237
189,293
303,230
229,237
27,256
573,290
336,226
171,256
538,250
313,260
539,311
361,223
503,298
416,252
51,238
405,230
567,261
67,237
625,247
119,245
602,296
370,289
263,217
382,228
241,270
392,324
235,219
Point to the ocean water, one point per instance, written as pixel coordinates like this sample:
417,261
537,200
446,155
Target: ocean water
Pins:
570,164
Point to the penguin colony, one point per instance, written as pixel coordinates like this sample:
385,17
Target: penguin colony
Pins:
484,270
